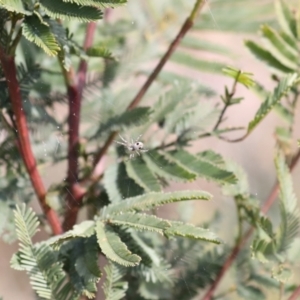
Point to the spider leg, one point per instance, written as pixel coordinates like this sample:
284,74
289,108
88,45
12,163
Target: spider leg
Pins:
143,150
131,156
138,138
121,143
122,139
138,153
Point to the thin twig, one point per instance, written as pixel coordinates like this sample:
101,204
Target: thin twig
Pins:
235,251
173,46
10,72
227,101
74,198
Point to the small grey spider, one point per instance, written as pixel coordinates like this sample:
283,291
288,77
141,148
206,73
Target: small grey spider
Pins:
135,146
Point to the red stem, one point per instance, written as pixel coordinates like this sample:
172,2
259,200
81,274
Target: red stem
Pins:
10,72
75,193
235,251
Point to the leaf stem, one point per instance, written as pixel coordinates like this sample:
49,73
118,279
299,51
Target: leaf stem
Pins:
235,251
228,98
10,72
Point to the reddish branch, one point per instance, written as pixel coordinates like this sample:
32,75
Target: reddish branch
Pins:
74,193
10,72
235,251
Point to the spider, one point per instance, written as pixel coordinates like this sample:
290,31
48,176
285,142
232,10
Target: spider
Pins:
135,146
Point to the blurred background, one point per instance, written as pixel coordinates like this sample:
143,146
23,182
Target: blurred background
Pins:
216,40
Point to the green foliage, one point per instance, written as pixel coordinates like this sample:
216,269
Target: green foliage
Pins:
39,33
146,256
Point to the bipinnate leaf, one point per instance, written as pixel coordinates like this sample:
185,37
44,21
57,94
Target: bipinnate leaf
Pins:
39,33
191,231
113,248
152,200
64,10
285,84
140,222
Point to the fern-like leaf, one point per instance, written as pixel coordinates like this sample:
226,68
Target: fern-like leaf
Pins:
289,226
39,33
113,287
282,88
26,224
99,3
63,10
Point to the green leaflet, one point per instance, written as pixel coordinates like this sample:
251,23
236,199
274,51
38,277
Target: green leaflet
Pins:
80,258
212,157
118,184
203,168
99,51
63,10
84,229
159,163
39,33
289,55
286,18
152,200
285,84
141,174
99,3
267,57
113,287
113,248
191,231
15,6
140,222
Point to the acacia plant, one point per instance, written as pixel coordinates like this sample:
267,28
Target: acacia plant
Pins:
123,144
